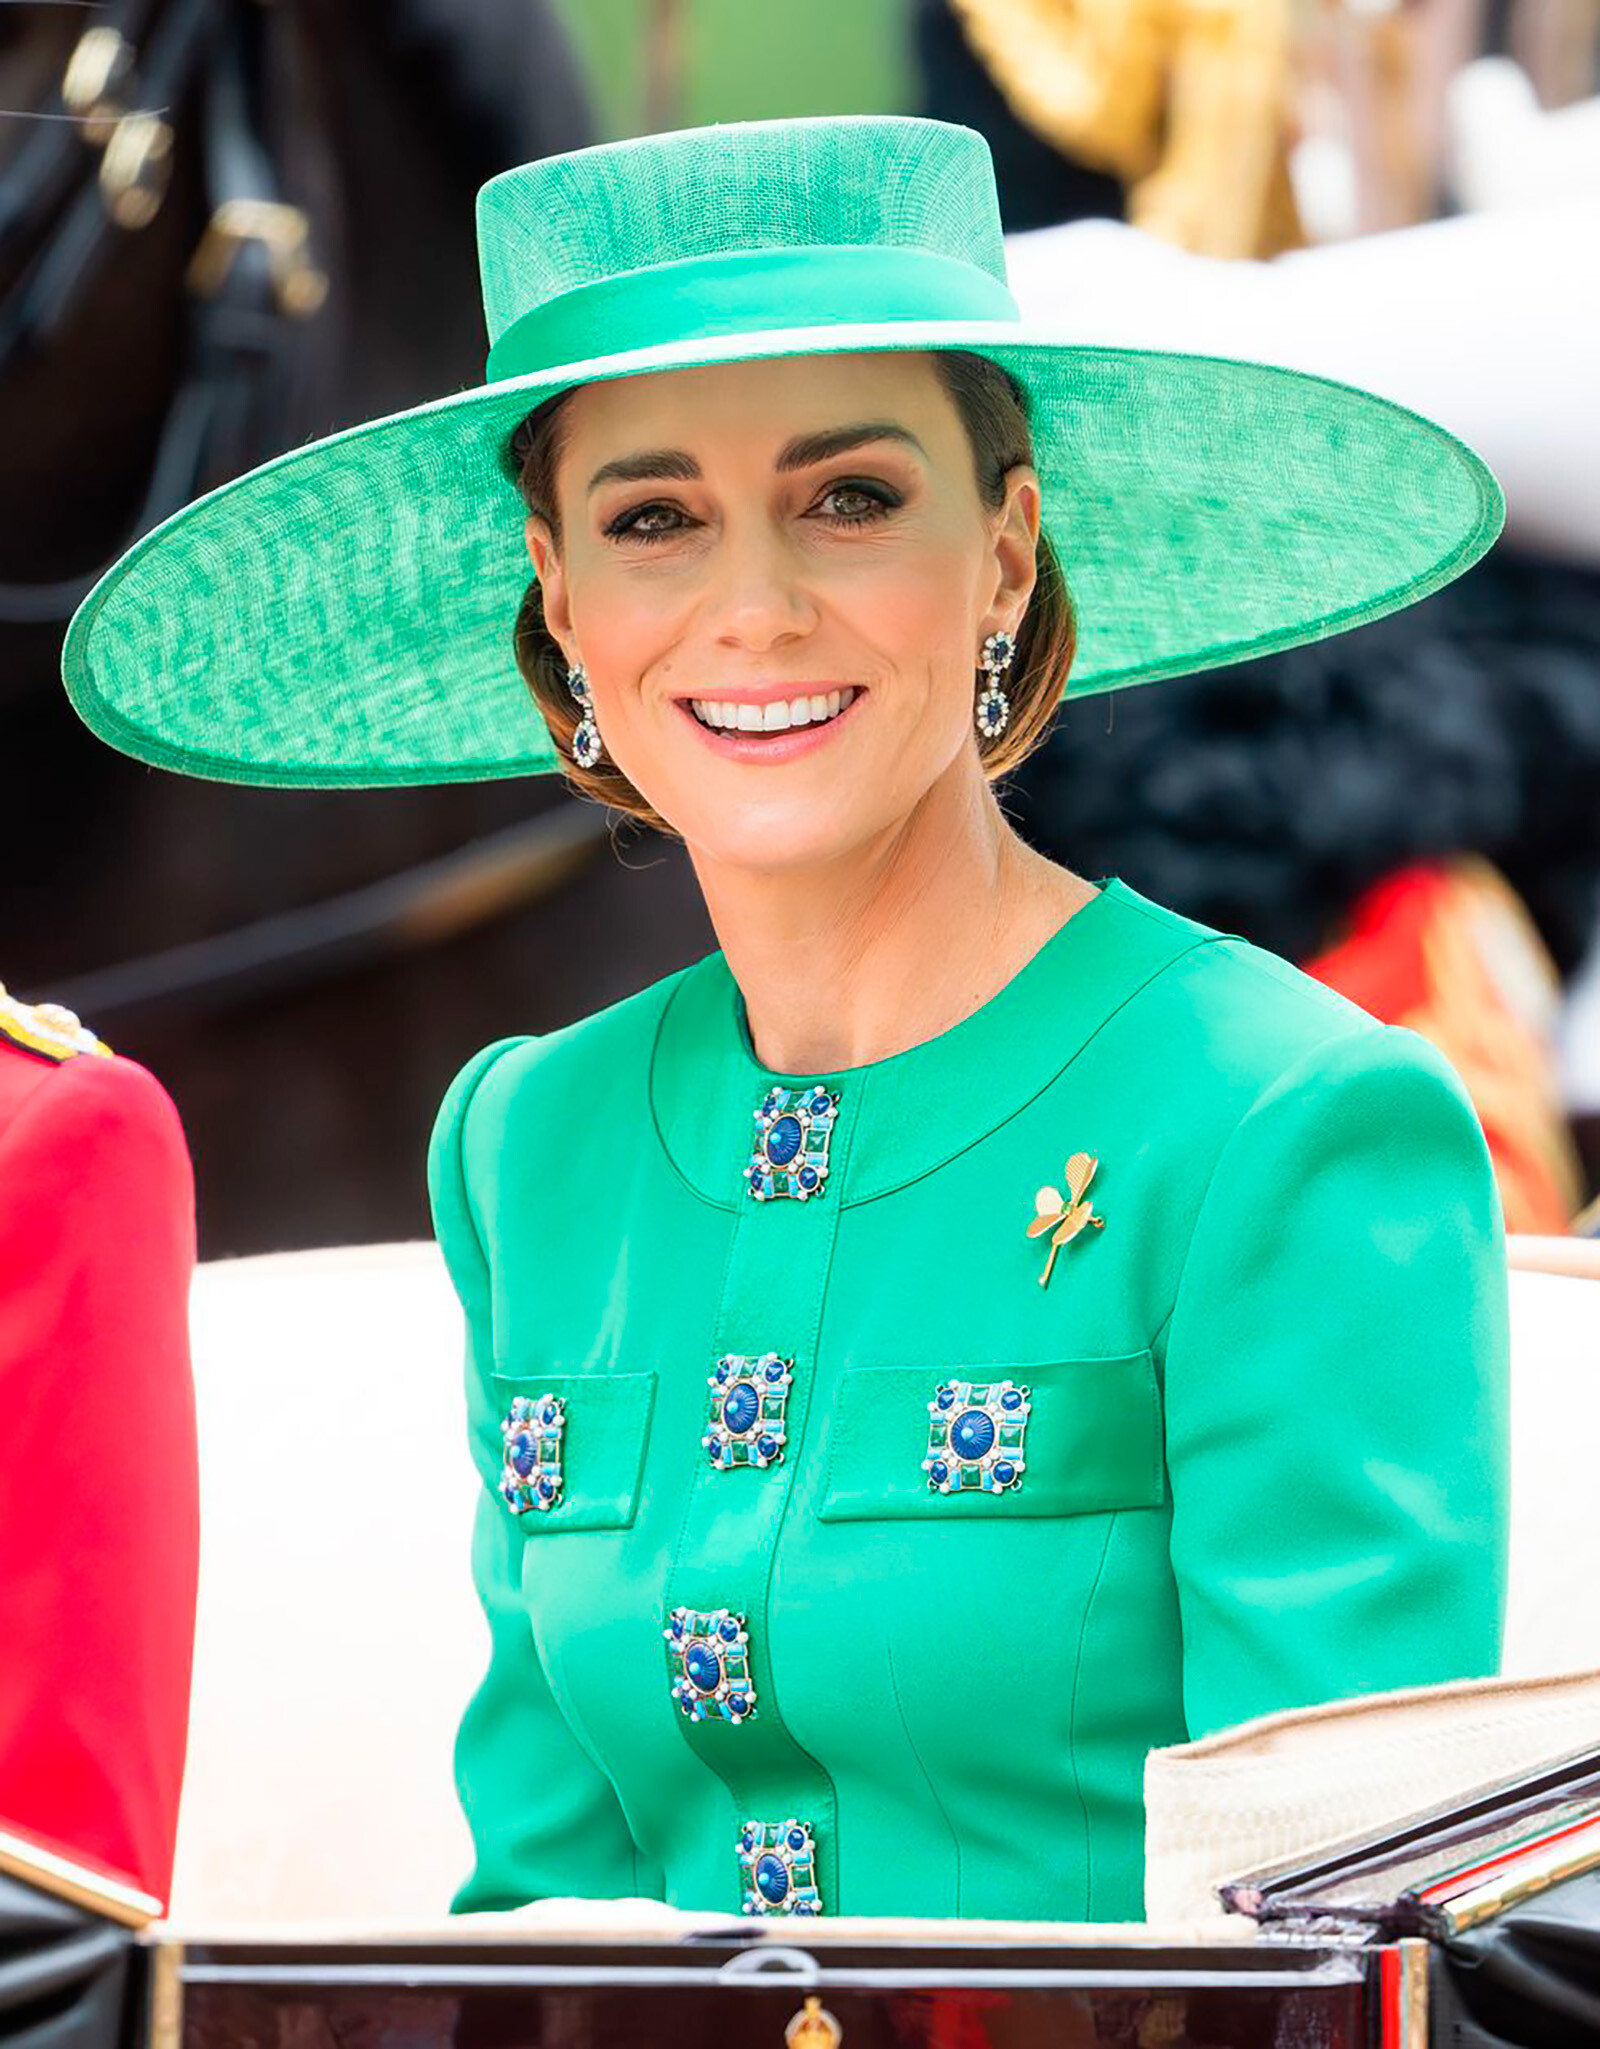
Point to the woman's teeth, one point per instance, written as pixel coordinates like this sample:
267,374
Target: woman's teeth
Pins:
770,718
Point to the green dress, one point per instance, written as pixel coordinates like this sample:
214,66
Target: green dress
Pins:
834,1564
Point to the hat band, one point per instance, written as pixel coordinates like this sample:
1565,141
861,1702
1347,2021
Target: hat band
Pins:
740,291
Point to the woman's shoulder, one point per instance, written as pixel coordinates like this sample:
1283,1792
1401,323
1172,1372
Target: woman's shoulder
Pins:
1230,1028
590,1067
1241,1011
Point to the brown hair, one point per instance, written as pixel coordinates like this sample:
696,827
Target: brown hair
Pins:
994,411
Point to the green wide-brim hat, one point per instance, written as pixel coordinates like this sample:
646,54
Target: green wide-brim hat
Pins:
343,615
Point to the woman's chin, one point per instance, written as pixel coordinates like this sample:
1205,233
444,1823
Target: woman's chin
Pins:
777,834
768,844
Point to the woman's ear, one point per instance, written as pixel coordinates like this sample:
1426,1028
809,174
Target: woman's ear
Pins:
1016,544
542,553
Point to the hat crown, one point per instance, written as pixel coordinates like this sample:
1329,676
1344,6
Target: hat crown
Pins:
567,221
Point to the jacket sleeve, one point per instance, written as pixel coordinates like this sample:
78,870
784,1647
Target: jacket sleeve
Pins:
1337,1392
544,1819
99,1482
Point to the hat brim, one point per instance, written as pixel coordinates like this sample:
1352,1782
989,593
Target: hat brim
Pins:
342,615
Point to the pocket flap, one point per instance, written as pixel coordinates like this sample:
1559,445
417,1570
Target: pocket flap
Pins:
606,1427
1094,1442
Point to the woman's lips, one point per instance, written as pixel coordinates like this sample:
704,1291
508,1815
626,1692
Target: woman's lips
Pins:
772,748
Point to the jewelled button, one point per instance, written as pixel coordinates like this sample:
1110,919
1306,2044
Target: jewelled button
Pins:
976,1433
790,1155
749,1398
708,1662
779,1863
530,1438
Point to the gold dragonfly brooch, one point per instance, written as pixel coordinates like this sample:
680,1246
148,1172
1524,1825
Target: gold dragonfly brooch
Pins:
1065,1215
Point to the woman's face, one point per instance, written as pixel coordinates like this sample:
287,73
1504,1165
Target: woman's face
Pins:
778,576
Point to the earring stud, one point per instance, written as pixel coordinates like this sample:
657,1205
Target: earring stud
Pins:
587,749
993,710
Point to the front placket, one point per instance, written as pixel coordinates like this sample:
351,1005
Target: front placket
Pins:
761,1373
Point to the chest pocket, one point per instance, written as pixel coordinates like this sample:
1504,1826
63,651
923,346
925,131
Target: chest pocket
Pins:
604,1427
1092,1442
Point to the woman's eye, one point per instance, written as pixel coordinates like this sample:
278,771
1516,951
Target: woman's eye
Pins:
643,523
859,504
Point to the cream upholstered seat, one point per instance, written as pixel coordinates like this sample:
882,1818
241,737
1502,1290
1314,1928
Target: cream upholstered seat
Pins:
339,1637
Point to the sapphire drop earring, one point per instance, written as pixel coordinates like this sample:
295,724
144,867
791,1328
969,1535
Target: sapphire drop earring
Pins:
993,713
586,747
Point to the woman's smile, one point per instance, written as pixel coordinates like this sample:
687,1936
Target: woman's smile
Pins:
770,728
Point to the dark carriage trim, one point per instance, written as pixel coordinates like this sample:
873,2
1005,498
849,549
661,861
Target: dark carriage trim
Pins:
720,1987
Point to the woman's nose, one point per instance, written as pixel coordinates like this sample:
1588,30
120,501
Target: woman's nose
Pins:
758,596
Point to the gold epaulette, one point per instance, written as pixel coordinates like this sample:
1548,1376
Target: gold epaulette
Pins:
47,1029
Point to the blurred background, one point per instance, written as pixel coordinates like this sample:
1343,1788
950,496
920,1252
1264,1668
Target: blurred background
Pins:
228,226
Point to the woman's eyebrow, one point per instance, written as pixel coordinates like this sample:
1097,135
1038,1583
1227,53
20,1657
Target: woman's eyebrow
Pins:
798,454
648,462
806,449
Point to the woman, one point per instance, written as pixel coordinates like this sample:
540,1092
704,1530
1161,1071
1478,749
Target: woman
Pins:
976,1325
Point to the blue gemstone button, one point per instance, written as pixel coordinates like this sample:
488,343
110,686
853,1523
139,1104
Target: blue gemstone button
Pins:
778,1862
708,1665
783,1141
794,1128
530,1453
971,1434
746,1423
976,1433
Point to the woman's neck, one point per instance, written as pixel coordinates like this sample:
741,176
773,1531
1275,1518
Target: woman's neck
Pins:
887,947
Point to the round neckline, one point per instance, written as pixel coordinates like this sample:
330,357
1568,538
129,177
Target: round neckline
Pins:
772,1077
908,1114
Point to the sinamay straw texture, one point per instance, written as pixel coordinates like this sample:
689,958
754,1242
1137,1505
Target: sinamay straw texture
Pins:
343,615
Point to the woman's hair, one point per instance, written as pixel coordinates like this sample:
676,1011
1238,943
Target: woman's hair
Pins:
994,411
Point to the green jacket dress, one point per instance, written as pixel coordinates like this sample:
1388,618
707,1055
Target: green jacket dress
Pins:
832,1563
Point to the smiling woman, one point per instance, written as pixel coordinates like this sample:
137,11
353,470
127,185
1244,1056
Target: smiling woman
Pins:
976,1325
992,410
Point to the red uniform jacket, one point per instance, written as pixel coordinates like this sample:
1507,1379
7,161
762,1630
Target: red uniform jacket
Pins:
99,1491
